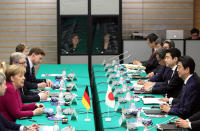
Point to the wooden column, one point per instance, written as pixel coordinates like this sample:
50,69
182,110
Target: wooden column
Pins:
197,14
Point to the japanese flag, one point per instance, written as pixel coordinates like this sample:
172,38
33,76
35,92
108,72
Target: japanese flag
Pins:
110,100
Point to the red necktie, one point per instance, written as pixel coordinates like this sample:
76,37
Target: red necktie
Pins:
151,55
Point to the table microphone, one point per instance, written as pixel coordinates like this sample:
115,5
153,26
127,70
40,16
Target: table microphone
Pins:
109,59
157,125
124,58
117,55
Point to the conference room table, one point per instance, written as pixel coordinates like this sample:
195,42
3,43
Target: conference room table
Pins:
101,86
81,72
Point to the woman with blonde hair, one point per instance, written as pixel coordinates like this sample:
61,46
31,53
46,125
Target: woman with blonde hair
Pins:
11,105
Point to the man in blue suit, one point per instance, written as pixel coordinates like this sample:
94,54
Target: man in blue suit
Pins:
190,94
167,81
6,125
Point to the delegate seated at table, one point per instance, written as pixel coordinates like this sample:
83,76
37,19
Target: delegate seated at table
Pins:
11,105
35,58
152,63
6,125
27,95
188,104
167,81
193,122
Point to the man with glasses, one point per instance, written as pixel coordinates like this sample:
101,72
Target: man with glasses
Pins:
26,94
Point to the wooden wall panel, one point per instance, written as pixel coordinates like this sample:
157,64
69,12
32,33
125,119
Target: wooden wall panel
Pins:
147,16
33,22
197,14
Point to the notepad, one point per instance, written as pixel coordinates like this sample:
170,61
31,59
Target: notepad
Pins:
154,112
152,101
46,128
140,92
45,75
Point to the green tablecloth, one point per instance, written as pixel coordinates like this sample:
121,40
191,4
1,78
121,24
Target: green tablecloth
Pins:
102,108
81,72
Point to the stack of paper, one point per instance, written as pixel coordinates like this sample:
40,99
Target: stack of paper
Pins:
152,101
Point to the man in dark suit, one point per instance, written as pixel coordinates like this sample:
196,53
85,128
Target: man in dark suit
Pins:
152,63
163,72
6,125
189,101
27,95
34,58
166,82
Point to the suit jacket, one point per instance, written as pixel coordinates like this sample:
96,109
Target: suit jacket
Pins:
6,125
31,76
29,96
162,77
11,105
30,85
155,71
189,100
172,88
151,64
195,121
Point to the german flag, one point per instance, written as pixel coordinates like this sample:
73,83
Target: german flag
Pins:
86,99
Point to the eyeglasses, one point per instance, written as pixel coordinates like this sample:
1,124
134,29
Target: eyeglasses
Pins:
21,63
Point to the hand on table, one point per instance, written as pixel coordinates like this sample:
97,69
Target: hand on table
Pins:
182,123
137,63
37,105
33,127
43,95
140,82
42,85
38,111
49,83
165,107
147,86
164,99
150,75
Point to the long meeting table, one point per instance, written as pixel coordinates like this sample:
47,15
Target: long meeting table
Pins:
81,72
101,86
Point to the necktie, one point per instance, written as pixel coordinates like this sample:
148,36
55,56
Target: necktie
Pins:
171,72
151,55
33,71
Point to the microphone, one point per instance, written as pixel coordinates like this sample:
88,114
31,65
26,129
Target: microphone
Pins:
158,125
124,58
104,61
117,55
111,65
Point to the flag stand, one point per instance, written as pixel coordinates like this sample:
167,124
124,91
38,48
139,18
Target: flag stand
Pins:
108,118
87,119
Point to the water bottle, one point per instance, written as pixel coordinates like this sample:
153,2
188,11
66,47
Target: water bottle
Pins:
58,110
64,74
60,96
132,106
121,80
128,96
56,127
139,118
124,88
62,84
